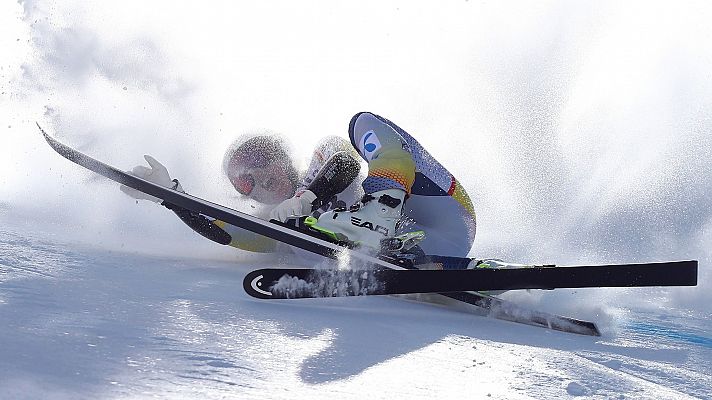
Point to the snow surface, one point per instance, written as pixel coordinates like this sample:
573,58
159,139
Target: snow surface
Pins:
87,323
582,132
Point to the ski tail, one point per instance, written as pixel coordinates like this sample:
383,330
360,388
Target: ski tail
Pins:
508,311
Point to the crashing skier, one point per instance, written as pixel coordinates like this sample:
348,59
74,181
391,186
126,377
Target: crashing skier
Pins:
406,190
267,177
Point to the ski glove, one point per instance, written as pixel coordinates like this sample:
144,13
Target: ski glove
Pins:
299,205
156,173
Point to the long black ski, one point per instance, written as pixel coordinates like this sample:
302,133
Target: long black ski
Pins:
305,283
340,283
494,307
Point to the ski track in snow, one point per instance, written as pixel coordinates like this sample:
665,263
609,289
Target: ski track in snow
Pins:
89,323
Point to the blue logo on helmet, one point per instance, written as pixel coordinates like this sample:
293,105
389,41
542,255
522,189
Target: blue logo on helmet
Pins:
370,144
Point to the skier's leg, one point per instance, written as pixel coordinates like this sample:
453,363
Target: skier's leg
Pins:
390,162
399,166
437,204
391,174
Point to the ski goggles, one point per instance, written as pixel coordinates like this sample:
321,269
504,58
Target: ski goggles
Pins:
243,183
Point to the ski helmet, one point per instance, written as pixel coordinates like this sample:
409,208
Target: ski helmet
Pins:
251,152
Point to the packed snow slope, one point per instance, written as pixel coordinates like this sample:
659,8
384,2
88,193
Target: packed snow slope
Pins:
581,131
86,323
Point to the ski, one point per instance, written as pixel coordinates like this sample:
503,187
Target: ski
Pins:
308,241
306,283
492,306
508,311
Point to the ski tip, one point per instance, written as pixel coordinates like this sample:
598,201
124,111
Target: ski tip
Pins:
254,285
54,143
47,137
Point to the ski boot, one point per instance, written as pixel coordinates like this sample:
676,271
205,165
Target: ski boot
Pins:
371,223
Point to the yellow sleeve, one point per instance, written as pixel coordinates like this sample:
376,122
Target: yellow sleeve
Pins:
246,240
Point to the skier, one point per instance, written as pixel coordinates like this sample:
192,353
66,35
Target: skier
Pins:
406,190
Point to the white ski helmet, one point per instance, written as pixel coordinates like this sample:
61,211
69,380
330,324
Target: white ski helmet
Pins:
252,152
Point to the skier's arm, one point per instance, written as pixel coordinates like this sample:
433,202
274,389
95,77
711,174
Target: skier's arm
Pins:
334,177
332,170
212,229
201,224
326,148
223,233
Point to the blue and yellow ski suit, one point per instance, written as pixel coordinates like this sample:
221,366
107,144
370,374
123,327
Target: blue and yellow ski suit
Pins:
436,204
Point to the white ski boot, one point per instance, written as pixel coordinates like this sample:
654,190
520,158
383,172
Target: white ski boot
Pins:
368,222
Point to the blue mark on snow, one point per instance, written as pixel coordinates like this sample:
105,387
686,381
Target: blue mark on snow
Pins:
670,333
